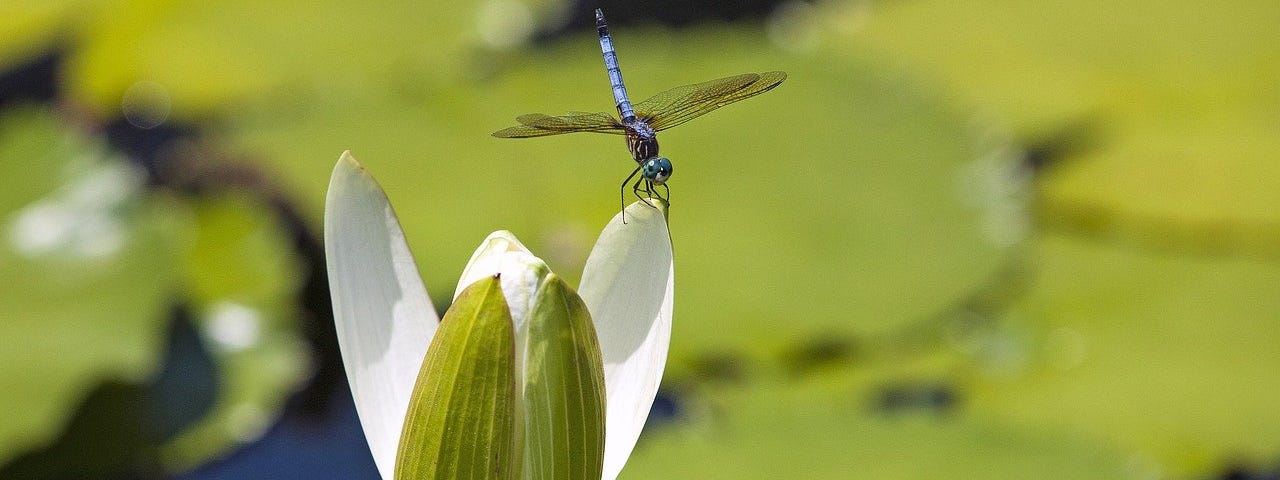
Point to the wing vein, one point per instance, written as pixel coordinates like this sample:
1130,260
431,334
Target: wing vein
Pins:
539,125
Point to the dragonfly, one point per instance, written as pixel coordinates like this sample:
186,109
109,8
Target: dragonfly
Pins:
641,122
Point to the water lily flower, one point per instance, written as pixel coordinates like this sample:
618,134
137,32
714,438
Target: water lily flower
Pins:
385,320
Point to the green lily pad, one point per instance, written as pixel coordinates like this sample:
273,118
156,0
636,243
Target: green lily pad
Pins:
1172,358
87,276
92,264
1182,94
821,430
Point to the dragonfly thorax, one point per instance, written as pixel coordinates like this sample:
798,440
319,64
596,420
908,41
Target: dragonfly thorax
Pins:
642,141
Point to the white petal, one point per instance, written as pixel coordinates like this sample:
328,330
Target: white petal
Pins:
522,272
487,259
384,319
628,285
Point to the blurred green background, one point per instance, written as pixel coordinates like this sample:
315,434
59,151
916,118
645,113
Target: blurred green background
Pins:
988,239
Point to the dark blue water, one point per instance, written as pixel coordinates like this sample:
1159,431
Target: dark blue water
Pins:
314,447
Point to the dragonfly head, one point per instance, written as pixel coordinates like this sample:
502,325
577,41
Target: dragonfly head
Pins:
656,170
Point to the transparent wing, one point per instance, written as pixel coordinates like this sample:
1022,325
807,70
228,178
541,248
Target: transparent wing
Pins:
538,125
681,104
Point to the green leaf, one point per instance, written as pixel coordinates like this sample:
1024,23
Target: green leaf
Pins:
461,416
564,388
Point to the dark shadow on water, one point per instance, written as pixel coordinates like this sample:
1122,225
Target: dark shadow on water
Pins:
320,445
668,13
33,81
1246,471
940,397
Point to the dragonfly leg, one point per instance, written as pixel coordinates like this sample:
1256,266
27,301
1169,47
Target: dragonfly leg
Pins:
666,190
636,190
622,193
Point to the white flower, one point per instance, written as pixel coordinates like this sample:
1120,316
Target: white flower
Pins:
385,320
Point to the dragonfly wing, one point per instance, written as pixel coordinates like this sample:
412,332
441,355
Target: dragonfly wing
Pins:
681,104
538,125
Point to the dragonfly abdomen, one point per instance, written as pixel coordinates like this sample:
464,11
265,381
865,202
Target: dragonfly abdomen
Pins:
615,72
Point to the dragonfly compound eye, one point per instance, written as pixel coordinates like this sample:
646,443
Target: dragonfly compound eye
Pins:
657,170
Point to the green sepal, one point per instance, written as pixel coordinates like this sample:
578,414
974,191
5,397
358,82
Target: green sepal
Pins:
564,388
461,418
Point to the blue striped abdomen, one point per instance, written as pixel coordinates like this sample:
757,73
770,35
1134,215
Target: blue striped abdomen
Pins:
615,73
